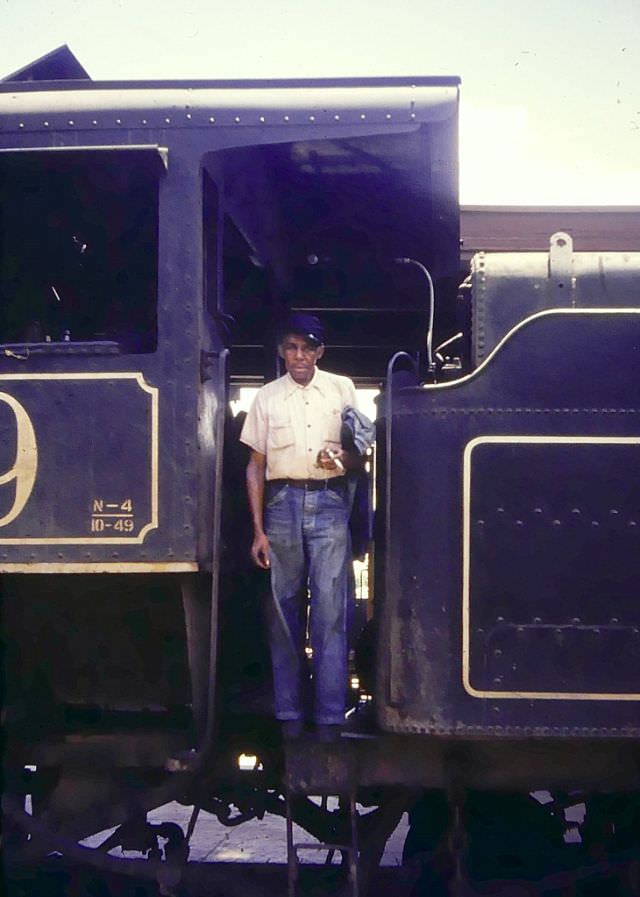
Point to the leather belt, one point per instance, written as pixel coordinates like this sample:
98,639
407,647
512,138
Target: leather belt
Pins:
335,483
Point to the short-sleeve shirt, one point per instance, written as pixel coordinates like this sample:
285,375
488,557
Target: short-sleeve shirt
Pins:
290,424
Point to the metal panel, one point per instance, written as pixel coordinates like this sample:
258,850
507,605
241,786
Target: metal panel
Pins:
112,429
204,106
100,503
508,287
551,567
550,421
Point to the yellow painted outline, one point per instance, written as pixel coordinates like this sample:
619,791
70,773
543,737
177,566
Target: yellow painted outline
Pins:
466,563
104,567
153,524
549,312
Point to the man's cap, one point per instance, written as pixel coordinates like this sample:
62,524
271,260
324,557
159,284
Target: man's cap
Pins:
304,325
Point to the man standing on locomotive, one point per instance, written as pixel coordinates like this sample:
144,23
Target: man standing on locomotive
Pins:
300,509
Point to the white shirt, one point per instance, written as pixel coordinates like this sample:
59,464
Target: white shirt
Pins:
290,424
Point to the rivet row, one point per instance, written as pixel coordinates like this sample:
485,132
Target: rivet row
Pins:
480,521
212,120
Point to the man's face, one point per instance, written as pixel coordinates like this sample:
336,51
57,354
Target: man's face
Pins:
300,357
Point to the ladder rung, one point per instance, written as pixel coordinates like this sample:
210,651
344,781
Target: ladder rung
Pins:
312,846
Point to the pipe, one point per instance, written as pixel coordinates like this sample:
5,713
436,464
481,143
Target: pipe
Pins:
408,261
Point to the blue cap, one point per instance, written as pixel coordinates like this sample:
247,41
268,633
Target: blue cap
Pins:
304,325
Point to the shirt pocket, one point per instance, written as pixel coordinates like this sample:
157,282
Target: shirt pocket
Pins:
280,433
332,426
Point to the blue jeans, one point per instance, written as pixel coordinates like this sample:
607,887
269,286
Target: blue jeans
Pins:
309,546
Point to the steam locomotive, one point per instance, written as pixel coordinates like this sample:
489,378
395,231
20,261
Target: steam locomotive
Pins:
152,233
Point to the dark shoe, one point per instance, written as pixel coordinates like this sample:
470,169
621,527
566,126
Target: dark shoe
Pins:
292,729
328,734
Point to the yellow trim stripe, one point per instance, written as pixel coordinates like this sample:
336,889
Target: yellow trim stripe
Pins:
466,564
106,567
547,313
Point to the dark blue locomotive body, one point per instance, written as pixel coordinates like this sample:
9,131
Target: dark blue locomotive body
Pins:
152,233
101,434
510,602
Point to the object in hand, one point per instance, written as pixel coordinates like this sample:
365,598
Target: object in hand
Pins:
329,455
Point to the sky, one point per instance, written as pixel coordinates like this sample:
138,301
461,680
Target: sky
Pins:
550,98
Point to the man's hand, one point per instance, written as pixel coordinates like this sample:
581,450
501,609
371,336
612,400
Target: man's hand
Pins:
260,551
255,492
328,459
341,460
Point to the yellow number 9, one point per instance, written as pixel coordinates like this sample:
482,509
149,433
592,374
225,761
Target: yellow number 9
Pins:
26,463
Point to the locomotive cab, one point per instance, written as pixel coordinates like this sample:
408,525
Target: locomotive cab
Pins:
151,235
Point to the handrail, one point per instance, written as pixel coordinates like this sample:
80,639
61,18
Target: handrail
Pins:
388,453
215,560
407,261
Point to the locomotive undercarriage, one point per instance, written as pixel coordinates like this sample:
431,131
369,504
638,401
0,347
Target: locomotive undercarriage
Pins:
85,760
92,768
89,756
462,840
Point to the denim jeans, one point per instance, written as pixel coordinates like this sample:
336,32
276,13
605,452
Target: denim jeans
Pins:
309,546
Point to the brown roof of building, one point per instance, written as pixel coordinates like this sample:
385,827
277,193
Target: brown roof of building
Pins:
528,228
